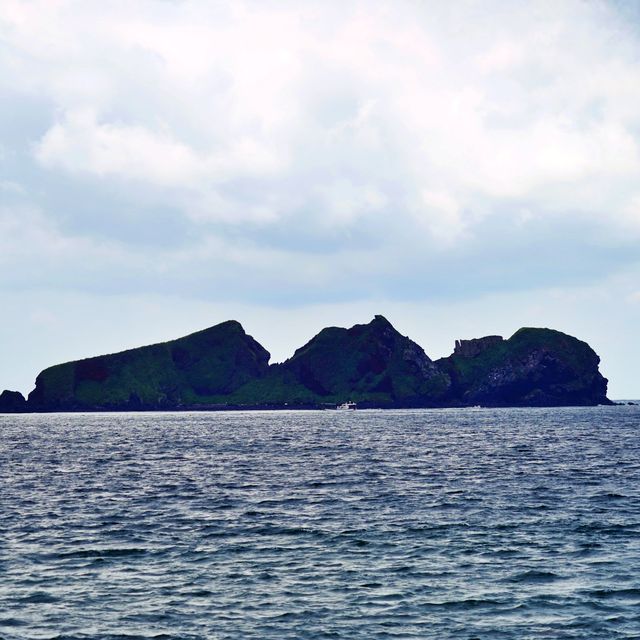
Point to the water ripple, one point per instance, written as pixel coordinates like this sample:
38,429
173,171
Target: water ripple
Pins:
449,524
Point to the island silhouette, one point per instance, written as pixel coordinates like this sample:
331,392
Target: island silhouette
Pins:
372,364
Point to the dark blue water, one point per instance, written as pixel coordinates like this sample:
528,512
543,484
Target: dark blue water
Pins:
439,524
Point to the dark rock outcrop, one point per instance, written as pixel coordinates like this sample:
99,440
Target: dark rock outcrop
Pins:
199,368
368,363
535,367
475,346
12,402
371,364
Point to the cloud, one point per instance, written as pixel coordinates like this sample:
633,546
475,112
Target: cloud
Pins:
343,202
443,215
281,151
133,152
49,259
80,144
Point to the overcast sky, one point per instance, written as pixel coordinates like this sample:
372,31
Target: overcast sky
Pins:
463,168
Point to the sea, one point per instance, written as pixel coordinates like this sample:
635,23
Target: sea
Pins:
446,524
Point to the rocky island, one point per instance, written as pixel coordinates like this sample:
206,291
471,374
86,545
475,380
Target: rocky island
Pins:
372,364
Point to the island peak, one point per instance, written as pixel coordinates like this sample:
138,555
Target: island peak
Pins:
371,364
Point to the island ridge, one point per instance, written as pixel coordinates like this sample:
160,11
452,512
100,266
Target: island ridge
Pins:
372,364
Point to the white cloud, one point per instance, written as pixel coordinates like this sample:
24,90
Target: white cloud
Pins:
11,188
81,144
343,202
377,133
132,152
442,215
501,57
632,212
34,251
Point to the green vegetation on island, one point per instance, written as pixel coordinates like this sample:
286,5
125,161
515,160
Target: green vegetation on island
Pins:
535,367
190,370
371,364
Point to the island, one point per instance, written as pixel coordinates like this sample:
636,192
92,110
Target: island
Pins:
371,364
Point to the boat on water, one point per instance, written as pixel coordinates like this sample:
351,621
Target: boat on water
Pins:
347,406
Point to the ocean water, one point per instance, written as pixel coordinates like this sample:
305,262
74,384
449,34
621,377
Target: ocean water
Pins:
465,524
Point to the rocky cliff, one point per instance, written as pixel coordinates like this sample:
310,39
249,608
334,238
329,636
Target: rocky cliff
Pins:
12,402
535,367
369,363
198,368
372,364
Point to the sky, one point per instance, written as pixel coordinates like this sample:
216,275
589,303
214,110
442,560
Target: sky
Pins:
462,168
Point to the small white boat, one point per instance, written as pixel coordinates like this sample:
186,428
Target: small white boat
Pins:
346,406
